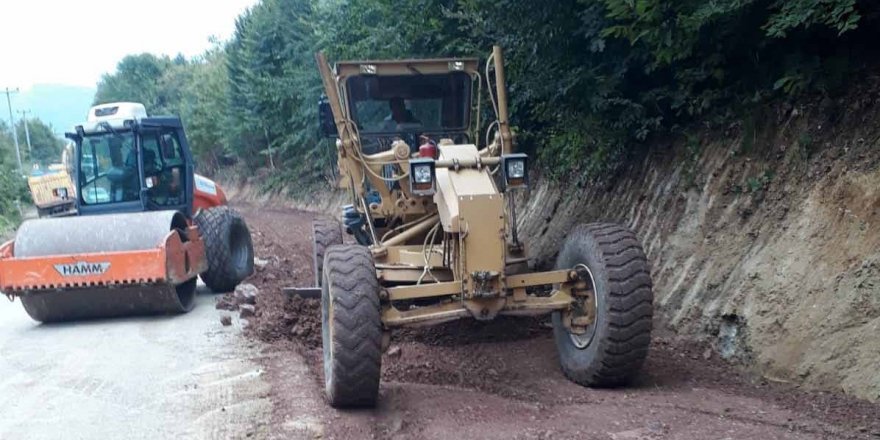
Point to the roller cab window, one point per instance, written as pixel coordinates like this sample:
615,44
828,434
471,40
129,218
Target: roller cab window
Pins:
164,168
108,167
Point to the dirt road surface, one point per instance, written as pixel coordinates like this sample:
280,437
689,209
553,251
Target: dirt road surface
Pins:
182,376
502,380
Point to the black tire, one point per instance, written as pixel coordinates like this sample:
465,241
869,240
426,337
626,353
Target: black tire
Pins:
613,350
228,247
325,233
351,327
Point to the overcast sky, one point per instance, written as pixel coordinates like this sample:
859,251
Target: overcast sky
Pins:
76,41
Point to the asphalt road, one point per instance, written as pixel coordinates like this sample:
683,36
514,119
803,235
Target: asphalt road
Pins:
183,376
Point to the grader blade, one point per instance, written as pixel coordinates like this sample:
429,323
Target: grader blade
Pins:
103,266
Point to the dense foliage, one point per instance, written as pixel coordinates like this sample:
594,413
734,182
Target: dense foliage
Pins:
45,149
589,80
45,146
12,186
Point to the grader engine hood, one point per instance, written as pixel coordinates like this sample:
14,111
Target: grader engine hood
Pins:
471,206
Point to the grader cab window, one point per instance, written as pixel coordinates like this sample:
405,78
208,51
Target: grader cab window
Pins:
429,103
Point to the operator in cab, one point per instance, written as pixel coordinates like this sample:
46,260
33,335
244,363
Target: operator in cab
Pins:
400,116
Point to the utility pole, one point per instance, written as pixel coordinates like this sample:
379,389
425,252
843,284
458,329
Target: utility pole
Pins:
27,133
12,127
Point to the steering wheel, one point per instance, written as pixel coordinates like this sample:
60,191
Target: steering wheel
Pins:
95,177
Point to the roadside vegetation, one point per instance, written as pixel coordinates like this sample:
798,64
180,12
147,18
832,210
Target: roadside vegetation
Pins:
590,80
46,149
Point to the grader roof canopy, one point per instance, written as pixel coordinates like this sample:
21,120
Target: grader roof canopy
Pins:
346,69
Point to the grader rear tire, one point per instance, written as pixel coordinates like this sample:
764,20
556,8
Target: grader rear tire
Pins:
228,248
614,347
351,327
326,233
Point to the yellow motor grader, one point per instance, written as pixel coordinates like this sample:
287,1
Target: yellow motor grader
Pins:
435,223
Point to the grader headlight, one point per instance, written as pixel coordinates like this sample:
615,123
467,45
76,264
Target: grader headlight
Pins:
515,168
422,175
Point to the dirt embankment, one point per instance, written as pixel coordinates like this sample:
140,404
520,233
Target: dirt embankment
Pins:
764,239
246,187
502,379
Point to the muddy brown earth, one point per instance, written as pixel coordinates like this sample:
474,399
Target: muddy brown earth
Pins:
763,246
502,380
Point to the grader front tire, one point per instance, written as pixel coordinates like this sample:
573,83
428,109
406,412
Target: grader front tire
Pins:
614,347
351,327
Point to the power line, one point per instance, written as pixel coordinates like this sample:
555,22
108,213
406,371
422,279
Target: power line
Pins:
9,92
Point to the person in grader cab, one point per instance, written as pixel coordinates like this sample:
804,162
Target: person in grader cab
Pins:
399,115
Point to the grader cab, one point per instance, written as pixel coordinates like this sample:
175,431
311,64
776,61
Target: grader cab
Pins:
433,214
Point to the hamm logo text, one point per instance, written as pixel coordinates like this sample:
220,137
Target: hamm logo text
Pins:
81,269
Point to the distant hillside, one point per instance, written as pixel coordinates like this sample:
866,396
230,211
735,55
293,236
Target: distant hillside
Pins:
61,106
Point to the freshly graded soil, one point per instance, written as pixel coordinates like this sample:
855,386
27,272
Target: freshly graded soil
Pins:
501,379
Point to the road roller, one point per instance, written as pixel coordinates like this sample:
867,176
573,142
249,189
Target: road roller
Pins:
145,228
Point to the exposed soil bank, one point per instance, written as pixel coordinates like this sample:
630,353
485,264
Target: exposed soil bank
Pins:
764,242
763,237
502,379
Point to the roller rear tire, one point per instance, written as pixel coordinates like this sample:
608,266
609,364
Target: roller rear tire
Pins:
228,248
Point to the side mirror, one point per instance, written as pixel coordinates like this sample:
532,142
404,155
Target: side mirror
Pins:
325,118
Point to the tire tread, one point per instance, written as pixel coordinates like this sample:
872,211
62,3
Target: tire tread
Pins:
629,316
357,332
214,225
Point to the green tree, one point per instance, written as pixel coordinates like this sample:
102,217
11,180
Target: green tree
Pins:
203,108
12,186
137,79
589,80
273,83
45,146
193,89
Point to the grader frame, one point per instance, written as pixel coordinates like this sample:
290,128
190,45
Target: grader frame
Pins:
467,203
436,225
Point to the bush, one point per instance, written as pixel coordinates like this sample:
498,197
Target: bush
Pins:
12,190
